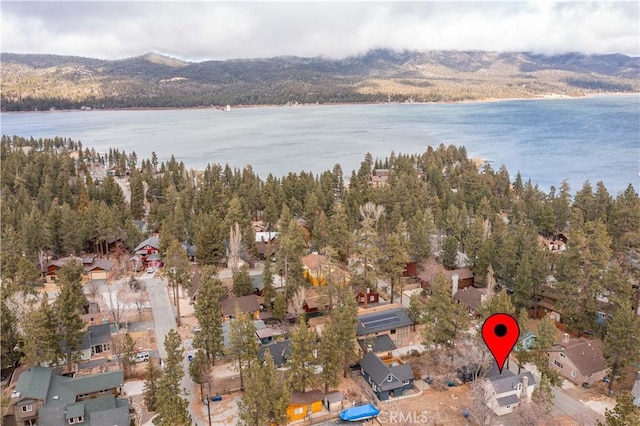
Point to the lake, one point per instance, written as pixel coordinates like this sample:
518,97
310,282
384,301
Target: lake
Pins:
547,140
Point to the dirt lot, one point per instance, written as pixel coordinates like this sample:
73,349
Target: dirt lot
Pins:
431,407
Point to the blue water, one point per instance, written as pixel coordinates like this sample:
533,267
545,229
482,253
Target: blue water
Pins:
593,139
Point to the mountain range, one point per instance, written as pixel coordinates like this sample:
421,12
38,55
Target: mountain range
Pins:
41,82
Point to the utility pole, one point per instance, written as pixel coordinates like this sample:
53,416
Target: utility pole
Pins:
208,403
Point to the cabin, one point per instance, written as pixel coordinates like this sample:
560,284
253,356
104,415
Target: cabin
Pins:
366,297
266,244
303,404
247,304
93,268
471,298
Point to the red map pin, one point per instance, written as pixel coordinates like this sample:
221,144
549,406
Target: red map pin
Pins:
500,333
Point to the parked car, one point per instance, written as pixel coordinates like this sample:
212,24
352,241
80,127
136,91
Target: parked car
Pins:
141,357
151,270
197,328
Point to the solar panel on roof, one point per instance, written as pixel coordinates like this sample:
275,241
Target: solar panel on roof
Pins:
380,320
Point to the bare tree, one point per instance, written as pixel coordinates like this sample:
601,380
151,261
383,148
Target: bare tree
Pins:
93,288
116,308
479,412
235,239
296,302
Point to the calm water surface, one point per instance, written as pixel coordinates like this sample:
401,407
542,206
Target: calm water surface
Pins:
594,139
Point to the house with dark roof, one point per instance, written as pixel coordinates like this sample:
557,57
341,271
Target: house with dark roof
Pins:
471,298
280,352
43,397
93,268
391,320
97,340
504,392
378,345
266,244
579,360
386,381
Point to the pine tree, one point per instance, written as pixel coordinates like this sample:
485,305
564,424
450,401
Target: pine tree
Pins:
339,236
545,339
268,292
449,252
244,347
278,390
252,404
209,314
128,352
177,270
580,272
280,306
199,369
171,406
625,413
329,354
500,303
344,318
303,342
255,409
421,227
9,336
151,385
392,262
68,309
621,344
209,239
444,319
242,284
40,343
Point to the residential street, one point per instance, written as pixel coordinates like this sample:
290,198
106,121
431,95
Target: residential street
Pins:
564,404
164,320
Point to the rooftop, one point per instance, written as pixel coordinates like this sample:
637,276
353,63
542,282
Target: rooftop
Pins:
383,321
585,354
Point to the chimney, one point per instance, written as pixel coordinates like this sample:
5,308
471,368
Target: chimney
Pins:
524,395
565,338
454,284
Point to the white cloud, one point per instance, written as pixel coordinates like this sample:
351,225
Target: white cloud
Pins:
215,30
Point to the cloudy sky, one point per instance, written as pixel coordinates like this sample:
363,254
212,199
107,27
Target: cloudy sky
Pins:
222,30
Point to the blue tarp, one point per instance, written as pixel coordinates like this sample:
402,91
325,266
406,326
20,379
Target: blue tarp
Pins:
361,412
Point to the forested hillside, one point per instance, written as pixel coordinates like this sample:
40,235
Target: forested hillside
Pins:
438,202
41,82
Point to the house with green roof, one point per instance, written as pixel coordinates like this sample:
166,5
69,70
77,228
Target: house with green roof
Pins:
43,397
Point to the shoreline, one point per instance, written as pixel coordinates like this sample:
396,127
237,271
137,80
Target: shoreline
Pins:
546,97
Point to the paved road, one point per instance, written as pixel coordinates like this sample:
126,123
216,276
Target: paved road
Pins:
565,404
165,320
